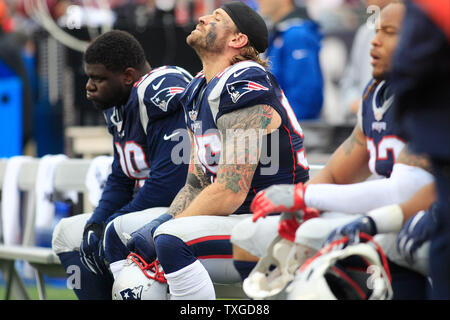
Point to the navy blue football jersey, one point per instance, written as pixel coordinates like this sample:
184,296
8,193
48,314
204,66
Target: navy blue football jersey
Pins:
143,173
384,142
245,84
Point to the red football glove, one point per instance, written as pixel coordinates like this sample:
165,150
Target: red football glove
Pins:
288,226
278,198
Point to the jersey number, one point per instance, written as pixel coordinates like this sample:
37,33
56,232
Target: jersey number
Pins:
132,160
301,156
209,147
381,151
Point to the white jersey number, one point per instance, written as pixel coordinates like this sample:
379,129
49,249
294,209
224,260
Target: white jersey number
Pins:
132,160
208,148
381,151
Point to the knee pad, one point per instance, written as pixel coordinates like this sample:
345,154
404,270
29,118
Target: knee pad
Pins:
68,233
173,253
58,239
255,237
312,233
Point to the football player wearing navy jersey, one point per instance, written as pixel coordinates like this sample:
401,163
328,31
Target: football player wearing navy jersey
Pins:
421,82
143,113
245,137
375,148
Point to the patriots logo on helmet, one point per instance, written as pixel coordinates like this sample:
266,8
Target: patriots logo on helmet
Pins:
161,98
132,293
239,88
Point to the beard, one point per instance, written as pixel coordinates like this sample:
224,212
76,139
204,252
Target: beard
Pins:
209,43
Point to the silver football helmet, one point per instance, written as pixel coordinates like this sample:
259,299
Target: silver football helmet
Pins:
139,280
355,272
273,271
276,268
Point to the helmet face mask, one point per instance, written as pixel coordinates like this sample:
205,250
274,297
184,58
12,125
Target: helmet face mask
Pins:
139,280
273,271
355,272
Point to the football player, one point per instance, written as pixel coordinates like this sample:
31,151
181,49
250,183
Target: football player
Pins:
143,113
421,82
245,137
374,148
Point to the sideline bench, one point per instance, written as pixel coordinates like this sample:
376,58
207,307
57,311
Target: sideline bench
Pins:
69,176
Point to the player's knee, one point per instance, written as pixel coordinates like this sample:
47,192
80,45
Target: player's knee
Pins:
115,248
60,239
243,255
173,253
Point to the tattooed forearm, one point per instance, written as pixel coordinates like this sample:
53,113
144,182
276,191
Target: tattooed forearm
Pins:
417,160
196,181
183,199
242,132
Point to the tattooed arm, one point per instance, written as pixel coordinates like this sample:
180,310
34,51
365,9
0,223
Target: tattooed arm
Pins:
409,158
196,181
238,160
348,164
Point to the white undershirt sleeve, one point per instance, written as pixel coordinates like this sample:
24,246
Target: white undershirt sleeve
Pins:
365,196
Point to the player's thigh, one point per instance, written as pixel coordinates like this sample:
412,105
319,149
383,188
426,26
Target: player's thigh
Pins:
255,237
126,224
68,233
194,228
202,232
388,243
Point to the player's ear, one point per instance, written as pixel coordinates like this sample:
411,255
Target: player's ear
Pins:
238,40
129,76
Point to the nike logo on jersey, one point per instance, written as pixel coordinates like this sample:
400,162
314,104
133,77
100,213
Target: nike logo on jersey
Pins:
239,88
156,86
237,74
167,137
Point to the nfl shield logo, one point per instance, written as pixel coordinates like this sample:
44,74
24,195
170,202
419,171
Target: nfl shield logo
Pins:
193,115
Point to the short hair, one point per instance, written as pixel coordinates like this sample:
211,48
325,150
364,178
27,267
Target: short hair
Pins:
116,50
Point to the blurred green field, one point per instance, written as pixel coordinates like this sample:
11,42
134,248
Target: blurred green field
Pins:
53,293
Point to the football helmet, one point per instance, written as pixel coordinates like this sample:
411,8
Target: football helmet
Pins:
283,257
338,272
273,271
139,280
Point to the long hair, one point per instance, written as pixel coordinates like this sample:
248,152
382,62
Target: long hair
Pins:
249,53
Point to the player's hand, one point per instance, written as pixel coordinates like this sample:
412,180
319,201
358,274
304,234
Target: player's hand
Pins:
416,231
289,222
364,224
278,198
142,242
91,252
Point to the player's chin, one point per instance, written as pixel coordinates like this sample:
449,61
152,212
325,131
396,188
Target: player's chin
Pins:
101,105
379,74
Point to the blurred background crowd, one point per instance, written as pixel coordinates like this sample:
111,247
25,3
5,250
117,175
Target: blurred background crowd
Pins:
42,76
